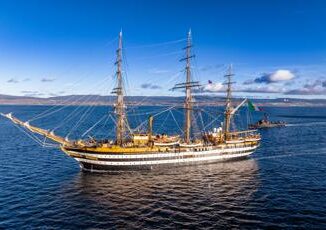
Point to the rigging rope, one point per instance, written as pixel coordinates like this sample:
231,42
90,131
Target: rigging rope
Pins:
83,117
163,123
211,122
48,113
105,122
111,41
34,138
157,44
166,110
176,122
160,55
88,130
151,80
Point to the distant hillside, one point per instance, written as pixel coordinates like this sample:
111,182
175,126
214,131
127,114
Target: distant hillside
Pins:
143,100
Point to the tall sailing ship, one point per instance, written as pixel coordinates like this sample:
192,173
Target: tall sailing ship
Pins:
134,150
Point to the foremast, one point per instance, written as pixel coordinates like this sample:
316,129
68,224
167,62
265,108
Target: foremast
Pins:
119,91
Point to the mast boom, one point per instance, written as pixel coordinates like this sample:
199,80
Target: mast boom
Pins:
239,106
187,58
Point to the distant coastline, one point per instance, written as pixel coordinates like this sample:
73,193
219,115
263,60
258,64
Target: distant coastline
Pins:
150,101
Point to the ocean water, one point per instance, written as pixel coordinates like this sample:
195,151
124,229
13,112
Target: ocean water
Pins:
282,185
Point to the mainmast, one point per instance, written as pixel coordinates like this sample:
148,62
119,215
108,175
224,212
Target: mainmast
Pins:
188,99
119,105
228,105
188,85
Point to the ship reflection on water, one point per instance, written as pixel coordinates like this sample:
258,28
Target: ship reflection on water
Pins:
186,194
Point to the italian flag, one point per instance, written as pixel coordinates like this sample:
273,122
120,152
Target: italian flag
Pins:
253,107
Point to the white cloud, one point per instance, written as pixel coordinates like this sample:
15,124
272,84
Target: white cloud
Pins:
281,75
213,87
313,88
158,71
261,89
274,77
47,79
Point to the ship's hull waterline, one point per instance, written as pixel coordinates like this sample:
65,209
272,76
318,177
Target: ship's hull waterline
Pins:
133,162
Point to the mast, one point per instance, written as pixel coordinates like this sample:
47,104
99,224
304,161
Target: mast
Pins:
119,91
150,129
188,99
188,85
228,105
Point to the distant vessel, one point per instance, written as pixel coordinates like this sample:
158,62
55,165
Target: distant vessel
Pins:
132,150
266,123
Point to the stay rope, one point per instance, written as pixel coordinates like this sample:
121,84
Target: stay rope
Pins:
93,126
64,105
157,44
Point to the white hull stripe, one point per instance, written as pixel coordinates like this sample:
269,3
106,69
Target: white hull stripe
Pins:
164,155
172,161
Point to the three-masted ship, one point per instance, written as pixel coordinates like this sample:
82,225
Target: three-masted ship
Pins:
148,150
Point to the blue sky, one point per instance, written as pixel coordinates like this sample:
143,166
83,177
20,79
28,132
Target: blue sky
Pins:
277,48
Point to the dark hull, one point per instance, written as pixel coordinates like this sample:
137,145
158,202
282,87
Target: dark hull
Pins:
88,167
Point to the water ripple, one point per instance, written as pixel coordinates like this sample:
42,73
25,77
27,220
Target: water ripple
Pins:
282,186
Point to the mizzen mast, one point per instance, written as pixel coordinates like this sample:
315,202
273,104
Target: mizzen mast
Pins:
228,105
119,91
